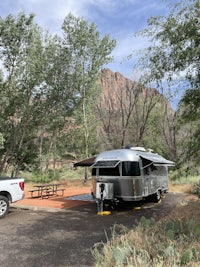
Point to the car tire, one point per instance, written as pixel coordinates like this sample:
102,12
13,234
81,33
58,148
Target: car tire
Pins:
4,206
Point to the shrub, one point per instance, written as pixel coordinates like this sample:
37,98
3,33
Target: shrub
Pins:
46,177
196,189
167,243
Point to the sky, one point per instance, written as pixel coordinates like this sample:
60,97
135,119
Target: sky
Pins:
121,19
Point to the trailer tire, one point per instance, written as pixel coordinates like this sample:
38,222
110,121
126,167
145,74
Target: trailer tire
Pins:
156,197
4,206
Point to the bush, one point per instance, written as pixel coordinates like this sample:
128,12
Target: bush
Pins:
196,189
38,177
184,174
66,173
168,243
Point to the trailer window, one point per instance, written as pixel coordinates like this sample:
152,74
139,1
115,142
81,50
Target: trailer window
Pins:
130,168
106,164
109,171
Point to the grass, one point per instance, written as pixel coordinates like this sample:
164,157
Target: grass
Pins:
167,243
189,184
190,179
173,241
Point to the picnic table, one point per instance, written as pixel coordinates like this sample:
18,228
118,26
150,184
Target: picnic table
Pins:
46,190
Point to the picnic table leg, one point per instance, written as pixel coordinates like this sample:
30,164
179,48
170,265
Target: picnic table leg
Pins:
55,188
39,192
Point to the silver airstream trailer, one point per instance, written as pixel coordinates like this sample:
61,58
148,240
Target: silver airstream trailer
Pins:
129,175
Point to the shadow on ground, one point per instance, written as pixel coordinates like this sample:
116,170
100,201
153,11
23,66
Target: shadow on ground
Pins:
65,238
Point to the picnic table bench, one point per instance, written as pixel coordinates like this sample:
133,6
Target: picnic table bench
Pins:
46,190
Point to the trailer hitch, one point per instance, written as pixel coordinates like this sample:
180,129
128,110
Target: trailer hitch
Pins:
104,194
101,200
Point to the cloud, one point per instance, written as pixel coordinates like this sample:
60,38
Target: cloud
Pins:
50,14
119,19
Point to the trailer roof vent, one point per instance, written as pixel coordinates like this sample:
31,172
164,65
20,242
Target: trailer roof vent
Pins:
150,150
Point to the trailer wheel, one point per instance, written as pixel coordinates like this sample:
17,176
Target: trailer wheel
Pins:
4,206
156,197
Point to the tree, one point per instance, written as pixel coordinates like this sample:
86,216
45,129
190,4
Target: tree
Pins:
115,110
1,141
125,109
20,48
89,53
161,134
175,44
148,102
175,55
45,78
36,94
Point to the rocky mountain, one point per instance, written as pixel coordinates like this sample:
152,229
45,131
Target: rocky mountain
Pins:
115,84
130,113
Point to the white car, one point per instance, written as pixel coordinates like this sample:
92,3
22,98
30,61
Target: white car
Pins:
11,190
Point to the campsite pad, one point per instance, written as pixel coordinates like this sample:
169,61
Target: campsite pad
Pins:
83,197
60,202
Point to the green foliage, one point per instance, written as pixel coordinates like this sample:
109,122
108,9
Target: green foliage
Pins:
173,62
191,111
53,175
186,256
145,223
170,234
177,43
45,177
40,178
168,243
20,48
121,254
169,251
89,54
49,95
2,140
188,134
197,230
196,189
43,80
185,175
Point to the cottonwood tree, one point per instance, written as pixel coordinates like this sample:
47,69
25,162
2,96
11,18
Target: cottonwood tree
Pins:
34,97
89,53
72,82
45,79
175,48
20,54
174,56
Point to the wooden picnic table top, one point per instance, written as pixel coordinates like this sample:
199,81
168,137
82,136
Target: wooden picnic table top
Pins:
47,185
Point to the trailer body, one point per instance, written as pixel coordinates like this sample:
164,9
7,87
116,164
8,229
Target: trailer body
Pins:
129,175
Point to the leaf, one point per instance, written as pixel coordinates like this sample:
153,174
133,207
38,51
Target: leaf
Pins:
187,256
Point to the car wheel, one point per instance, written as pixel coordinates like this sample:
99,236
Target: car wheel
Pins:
4,206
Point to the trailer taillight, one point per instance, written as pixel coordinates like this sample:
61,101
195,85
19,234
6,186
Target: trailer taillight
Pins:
21,184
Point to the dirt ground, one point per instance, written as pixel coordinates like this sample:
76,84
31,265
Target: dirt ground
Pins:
59,202
61,232
187,208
